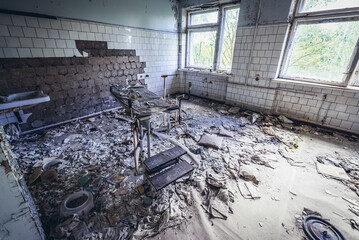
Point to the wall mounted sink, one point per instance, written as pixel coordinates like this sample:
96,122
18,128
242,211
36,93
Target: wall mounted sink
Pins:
17,101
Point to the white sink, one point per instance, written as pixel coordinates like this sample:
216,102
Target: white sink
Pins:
21,100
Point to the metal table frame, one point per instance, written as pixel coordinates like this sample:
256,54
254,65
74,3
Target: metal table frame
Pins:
141,125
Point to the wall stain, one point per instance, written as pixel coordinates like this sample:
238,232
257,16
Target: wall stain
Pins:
175,11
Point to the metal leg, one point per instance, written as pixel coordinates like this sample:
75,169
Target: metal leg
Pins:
141,137
148,138
136,152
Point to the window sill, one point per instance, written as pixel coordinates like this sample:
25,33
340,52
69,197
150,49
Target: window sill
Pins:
312,84
205,71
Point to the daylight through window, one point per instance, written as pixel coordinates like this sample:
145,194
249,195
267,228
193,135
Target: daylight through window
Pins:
323,46
211,38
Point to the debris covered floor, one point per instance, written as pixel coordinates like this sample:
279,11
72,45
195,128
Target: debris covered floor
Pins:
265,176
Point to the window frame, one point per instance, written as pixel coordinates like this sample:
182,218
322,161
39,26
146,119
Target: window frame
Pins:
201,12
299,18
190,46
220,46
300,5
218,27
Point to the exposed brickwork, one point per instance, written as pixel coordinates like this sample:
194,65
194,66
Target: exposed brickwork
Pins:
57,38
76,86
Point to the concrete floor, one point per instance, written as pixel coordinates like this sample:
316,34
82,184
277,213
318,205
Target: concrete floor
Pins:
278,217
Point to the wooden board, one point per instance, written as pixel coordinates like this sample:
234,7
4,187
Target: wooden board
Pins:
170,175
159,161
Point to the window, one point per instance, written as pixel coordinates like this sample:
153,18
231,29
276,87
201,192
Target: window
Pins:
323,43
202,46
324,5
211,37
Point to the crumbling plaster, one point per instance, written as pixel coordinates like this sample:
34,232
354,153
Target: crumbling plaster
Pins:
274,11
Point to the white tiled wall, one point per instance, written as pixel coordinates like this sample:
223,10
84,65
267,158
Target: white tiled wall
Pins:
23,36
258,99
265,57
333,108
330,107
39,37
255,94
207,85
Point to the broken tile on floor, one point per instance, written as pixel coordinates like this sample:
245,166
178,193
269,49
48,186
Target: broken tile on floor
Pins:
209,140
332,171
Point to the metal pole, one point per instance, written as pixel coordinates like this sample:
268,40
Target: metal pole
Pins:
164,87
135,144
253,42
164,84
141,137
148,138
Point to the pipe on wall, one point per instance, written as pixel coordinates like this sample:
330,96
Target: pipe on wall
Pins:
253,41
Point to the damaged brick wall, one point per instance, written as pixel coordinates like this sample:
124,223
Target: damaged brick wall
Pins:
77,86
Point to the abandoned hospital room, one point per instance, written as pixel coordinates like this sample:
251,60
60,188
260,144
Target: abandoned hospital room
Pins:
179,119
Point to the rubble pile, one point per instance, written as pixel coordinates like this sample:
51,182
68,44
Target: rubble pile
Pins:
95,155
342,168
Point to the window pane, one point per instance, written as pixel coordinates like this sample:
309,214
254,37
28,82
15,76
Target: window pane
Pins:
202,48
229,37
322,5
203,18
322,50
